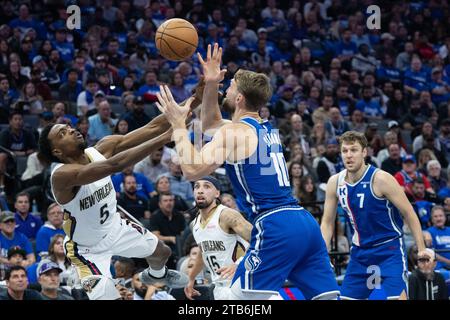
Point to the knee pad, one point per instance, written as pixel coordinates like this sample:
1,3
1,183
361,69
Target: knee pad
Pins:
100,288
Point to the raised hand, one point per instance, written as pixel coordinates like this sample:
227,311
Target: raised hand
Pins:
175,114
211,67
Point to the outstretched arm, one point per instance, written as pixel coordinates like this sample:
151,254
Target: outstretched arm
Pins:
389,188
195,164
329,211
72,175
113,144
213,75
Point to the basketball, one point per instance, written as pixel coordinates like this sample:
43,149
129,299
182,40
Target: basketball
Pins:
176,39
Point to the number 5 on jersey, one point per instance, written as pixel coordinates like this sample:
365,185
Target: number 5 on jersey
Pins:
104,213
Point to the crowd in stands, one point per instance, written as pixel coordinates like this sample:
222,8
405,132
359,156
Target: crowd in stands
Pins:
329,73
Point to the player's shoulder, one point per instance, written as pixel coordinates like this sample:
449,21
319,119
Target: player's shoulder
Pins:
333,179
381,176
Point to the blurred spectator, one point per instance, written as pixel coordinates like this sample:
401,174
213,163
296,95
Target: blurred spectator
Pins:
61,116
144,188
152,167
133,203
435,176
393,163
85,100
167,223
10,238
83,128
357,121
336,126
440,235
434,153
26,223
308,196
373,137
8,96
229,201
415,77
298,133
422,200
364,61
48,273
162,185
178,183
124,269
17,282
426,284
42,88
156,291
439,86
369,106
149,90
179,92
330,163
136,117
101,124
52,227
390,137
403,60
295,174
409,173
121,127
70,90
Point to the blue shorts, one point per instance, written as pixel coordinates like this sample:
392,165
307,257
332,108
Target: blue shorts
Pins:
286,243
371,268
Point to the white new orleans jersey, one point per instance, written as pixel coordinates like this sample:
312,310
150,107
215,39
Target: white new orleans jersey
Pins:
219,249
92,213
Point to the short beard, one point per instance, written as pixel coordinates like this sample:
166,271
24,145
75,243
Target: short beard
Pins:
227,106
203,205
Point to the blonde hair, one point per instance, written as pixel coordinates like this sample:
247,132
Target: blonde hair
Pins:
255,87
353,136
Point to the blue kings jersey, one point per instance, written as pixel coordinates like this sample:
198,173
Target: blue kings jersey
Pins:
374,220
261,182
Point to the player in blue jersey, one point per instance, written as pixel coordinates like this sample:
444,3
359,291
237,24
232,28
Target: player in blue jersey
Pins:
286,242
375,205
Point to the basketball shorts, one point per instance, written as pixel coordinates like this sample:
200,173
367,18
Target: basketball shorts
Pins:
126,239
383,266
286,243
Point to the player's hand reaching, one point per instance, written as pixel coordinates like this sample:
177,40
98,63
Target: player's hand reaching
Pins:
227,272
175,114
190,292
211,67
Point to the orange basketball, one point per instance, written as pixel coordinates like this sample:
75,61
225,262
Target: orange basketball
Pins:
176,39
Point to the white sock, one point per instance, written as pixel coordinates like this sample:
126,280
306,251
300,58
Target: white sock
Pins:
157,273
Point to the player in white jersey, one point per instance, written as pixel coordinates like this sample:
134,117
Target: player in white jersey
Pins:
95,232
222,235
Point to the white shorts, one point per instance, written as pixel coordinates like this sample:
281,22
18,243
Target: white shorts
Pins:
222,291
126,239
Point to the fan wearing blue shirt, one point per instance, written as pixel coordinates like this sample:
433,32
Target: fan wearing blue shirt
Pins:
149,90
143,186
346,48
9,237
66,49
51,228
440,235
27,223
371,108
440,86
416,77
